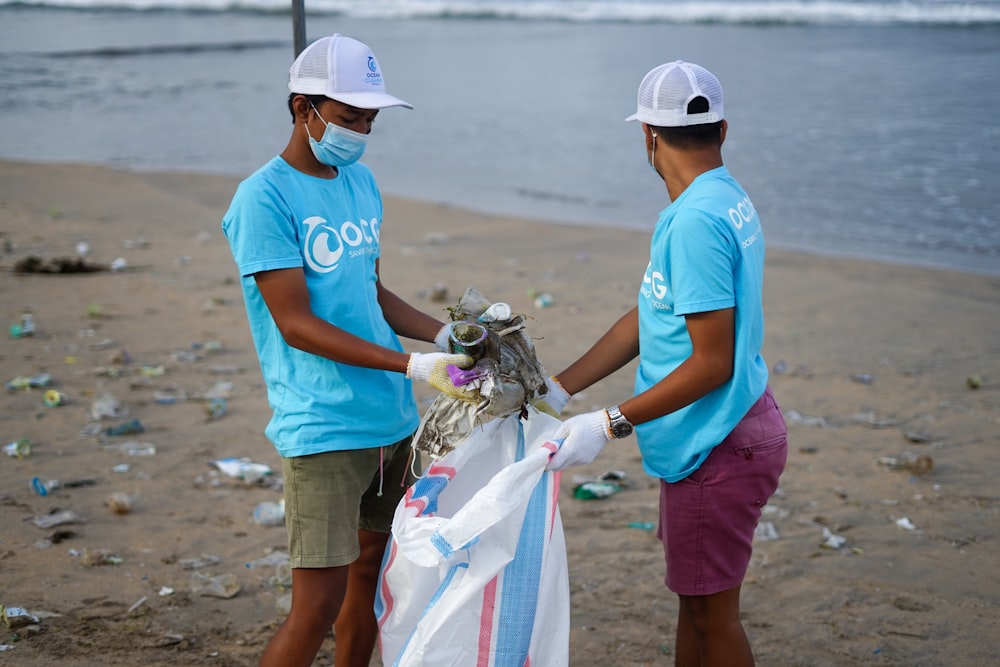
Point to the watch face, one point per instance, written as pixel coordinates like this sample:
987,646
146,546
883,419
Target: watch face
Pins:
621,430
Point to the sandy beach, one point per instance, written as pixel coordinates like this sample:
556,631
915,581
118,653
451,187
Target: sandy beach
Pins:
861,558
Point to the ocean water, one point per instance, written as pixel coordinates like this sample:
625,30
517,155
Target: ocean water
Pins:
860,129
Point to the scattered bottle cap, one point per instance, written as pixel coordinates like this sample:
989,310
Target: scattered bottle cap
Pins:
543,300
53,398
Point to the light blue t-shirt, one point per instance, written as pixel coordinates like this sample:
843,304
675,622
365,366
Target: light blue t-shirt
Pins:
707,253
282,218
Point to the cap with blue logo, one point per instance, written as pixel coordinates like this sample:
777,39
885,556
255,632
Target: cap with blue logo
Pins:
342,69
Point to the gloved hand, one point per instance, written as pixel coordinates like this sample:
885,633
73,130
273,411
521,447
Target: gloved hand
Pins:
432,368
442,337
583,438
554,400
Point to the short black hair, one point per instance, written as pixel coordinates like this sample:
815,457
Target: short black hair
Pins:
705,135
316,100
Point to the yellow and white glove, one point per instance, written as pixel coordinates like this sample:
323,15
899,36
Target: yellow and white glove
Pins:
432,368
554,400
583,437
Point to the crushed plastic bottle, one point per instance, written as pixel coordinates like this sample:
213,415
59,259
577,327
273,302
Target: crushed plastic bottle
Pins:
283,574
595,490
269,513
219,586
273,559
136,448
107,406
130,427
242,468
16,617
24,328
25,382
918,464
42,487
19,449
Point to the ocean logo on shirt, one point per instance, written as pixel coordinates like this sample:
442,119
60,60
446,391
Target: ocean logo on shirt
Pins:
326,244
654,289
742,213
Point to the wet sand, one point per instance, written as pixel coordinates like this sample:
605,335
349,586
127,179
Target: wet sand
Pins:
856,562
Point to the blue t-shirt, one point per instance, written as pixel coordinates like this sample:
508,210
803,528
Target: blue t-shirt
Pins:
281,218
707,253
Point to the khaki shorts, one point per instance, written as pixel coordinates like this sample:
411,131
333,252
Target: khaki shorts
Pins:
330,496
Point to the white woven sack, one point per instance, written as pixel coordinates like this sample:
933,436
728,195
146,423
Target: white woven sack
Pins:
475,572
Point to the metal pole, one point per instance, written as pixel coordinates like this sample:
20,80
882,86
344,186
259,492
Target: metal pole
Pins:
299,25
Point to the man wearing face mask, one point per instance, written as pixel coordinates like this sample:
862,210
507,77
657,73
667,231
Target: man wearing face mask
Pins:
304,232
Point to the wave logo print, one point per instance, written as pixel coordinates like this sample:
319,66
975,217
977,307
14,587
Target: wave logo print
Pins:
320,256
373,77
325,244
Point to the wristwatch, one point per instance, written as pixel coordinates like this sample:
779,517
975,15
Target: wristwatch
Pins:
620,426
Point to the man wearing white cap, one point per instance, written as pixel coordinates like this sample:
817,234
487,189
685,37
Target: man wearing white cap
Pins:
304,232
706,422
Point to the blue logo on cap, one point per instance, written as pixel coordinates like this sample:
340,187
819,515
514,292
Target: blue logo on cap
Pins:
371,64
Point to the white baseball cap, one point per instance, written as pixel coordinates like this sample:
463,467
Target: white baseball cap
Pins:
342,69
666,91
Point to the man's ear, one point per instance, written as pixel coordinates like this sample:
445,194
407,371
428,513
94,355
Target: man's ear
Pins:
301,107
722,131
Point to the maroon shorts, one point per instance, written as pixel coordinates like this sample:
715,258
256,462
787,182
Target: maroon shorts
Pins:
707,520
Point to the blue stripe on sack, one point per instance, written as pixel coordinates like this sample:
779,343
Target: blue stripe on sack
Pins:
521,579
429,488
442,589
444,546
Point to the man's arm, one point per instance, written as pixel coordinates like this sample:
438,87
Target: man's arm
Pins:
404,319
287,298
709,367
613,350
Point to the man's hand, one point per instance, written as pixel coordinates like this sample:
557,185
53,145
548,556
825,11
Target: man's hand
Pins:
432,368
583,438
554,400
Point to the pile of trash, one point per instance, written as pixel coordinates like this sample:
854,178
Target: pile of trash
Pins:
505,378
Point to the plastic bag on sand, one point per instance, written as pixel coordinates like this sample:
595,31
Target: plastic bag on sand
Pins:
475,571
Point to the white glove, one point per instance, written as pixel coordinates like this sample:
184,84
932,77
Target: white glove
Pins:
432,368
554,400
442,337
583,438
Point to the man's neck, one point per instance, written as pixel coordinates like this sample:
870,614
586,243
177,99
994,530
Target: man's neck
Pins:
685,166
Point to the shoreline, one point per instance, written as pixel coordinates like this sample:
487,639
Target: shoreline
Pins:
561,222
856,561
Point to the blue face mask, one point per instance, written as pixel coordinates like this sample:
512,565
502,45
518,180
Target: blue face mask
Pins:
338,147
